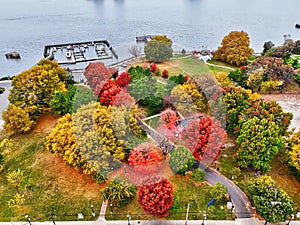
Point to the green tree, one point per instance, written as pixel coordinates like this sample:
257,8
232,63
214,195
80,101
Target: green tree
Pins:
237,101
218,191
82,96
181,160
273,204
198,175
235,48
259,141
159,49
63,103
16,120
239,76
118,192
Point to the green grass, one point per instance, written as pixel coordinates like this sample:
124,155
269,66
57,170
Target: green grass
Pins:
279,173
297,57
49,185
185,192
178,56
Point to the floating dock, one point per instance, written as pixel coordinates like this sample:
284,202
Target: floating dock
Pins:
72,53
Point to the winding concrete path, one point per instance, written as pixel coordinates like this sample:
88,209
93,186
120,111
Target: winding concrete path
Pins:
243,208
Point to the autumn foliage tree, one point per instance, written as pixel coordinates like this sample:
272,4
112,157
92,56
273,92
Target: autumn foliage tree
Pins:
274,69
235,48
123,79
294,154
146,158
118,192
33,89
181,160
75,138
16,120
156,196
108,92
204,137
260,140
263,192
188,98
159,49
95,73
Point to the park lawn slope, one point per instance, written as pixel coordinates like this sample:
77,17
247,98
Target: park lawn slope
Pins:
48,185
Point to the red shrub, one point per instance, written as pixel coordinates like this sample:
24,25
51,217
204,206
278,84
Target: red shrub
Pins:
156,196
108,92
96,72
124,98
145,158
123,79
205,138
169,116
165,73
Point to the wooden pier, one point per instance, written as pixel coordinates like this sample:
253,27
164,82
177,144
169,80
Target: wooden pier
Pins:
72,53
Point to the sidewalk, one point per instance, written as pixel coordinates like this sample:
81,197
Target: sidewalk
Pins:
251,221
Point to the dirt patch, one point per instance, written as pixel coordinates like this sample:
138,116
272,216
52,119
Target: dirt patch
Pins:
45,123
57,173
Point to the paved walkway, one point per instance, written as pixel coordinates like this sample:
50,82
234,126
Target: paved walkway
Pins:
103,211
225,67
252,221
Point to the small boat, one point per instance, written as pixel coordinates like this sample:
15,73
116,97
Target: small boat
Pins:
297,25
144,38
13,55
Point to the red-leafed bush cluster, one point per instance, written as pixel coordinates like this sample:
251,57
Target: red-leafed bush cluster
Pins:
156,196
204,137
165,73
123,79
154,69
124,98
108,92
96,72
169,116
146,158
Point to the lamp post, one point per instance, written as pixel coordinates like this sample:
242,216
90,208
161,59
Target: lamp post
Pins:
128,219
28,219
93,211
291,218
125,169
111,210
52,217
204,218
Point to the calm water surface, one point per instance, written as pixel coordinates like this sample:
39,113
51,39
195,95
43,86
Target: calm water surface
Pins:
26,26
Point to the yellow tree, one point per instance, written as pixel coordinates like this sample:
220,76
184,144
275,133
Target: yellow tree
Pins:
33,89
294,153
16,120
235,48
188,98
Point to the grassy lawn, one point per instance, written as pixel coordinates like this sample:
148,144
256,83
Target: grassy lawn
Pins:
186,65
279,173
49,185
186,192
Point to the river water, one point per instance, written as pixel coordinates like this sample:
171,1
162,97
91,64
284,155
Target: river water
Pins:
26,26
